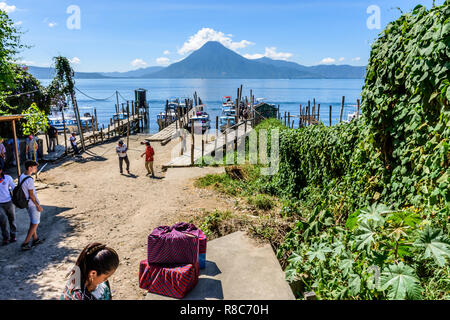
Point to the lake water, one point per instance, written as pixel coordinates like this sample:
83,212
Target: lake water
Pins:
288,94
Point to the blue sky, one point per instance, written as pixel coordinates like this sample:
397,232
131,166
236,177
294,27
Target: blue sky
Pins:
125,35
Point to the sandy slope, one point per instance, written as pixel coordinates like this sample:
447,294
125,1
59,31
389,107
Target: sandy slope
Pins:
88,200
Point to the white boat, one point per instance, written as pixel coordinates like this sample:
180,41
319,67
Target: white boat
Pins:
200,119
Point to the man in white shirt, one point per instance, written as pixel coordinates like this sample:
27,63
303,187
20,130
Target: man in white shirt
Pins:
121,151
34,207
7,209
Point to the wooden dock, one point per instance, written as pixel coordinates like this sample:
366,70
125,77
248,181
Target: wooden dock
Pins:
193,148
171,130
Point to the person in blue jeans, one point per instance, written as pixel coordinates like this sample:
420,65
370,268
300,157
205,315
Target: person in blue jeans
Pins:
7,209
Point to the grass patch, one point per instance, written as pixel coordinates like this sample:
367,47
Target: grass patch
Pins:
261,201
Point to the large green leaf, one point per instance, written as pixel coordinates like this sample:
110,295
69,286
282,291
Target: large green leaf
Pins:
354,284
366,235
434,245
401,282
318,251
374,213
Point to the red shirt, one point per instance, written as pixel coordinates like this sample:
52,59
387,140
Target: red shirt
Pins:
149,152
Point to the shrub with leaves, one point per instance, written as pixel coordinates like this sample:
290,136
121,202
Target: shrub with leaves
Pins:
381,255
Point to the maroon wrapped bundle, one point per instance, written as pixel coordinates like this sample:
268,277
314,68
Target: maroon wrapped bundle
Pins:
168,280
192,229
168,245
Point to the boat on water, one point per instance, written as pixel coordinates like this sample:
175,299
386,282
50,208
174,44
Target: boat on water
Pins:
55,118
173,107
165,118
228,117
227,102
200,119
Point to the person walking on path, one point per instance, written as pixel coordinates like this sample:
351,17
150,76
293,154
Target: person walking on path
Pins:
2,154
7,209
34,207
121,151
88,280
53,138
149,153
73,143
31,148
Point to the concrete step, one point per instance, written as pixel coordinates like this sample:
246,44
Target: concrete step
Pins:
238,269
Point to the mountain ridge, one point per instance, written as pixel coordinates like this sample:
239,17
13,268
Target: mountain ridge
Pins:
215,61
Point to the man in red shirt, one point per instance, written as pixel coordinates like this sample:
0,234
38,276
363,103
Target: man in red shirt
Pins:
149,153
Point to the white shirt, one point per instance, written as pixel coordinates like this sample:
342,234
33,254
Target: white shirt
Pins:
6,186
122,151
28,185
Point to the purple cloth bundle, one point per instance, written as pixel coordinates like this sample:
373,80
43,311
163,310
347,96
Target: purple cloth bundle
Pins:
169,245
192,229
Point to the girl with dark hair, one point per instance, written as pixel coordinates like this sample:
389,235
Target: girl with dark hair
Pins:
89,277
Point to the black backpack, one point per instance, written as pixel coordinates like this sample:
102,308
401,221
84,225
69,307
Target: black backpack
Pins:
18,197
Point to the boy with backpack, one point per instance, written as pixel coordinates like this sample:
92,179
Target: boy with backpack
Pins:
27,191
7,210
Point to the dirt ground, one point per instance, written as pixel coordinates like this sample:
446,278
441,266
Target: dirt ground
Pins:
87,200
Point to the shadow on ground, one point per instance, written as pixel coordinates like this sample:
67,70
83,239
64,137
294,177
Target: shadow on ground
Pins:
20,270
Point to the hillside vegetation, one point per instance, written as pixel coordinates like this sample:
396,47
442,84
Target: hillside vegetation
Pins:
371,198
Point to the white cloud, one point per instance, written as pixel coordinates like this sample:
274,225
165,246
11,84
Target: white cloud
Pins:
341,59
166,52
328,61
204,35
26,62
271,52
139,63
75,60
52,24
163,61
18,23
7,8
356,59
253,56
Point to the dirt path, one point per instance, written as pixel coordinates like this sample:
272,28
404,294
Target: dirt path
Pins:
88,200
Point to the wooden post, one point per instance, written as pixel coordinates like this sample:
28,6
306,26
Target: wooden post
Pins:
46,140
289,120
93,129
309,112
284,122
217,125
192,142
128,125
16,151
77,114
358,108
109,131
96,119
318,112
203,149
330,115
64,126
342,109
